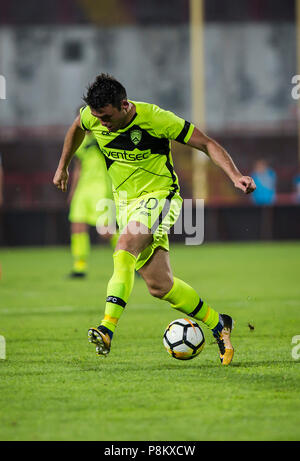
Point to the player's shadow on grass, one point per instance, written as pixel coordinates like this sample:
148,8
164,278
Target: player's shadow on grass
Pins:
262,363
212,365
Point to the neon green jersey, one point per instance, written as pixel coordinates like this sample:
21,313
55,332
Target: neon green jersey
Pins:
138,157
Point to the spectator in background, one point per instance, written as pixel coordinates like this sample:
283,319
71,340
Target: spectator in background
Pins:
265,179
296,183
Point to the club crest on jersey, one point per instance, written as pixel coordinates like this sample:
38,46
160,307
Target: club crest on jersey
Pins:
136,136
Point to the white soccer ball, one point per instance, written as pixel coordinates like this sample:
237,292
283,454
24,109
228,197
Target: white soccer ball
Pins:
183,339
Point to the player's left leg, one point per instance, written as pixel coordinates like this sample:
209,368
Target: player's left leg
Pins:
158,276
80,248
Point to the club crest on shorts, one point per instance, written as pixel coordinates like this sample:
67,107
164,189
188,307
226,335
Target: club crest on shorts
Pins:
136,136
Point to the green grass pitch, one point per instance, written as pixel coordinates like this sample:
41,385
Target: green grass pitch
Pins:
54,387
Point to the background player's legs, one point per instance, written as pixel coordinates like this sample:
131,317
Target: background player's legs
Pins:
80,248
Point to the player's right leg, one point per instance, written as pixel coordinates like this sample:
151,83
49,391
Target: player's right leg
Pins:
132,241
158,276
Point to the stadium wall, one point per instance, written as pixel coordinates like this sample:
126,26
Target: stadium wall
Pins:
47,69
221,224
249,108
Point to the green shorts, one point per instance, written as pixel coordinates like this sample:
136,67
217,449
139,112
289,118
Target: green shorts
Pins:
88,205
158,211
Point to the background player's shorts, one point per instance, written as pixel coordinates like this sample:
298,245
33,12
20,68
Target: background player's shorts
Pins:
87,205
158,211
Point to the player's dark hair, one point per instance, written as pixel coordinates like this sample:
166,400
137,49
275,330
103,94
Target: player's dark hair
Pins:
105,90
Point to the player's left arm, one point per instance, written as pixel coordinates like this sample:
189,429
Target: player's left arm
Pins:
222,159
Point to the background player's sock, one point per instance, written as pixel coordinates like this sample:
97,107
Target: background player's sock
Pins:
185,299
119,288
80,249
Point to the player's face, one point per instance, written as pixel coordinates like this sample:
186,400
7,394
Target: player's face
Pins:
111,117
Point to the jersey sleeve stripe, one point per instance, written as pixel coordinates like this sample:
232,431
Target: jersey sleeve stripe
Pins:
189,133
82,124
81,116
183,134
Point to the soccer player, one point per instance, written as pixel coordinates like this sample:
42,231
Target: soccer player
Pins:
135,139
90,184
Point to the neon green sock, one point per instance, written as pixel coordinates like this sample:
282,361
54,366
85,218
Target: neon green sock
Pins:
80,249
185,299
119,288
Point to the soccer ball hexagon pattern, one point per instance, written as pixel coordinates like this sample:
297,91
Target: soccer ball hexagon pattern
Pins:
183,339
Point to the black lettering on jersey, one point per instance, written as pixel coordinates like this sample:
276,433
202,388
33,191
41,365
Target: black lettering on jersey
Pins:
126,156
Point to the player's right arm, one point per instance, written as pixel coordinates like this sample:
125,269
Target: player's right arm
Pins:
73,139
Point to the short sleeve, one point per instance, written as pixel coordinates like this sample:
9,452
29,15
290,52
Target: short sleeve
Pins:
85,118
168,125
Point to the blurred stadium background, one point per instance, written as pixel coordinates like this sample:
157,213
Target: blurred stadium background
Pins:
228,66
